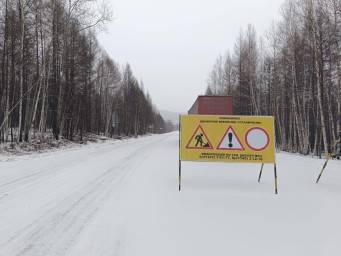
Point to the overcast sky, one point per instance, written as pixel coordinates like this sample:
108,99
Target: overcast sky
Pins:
171,45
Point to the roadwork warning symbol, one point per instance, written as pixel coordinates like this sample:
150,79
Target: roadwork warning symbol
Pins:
230,141
199,140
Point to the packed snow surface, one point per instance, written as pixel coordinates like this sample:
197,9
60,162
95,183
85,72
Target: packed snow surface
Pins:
122,198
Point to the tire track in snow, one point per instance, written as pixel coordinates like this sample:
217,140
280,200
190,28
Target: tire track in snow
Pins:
47,172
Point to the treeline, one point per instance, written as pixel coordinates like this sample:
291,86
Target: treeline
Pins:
292,73
54,76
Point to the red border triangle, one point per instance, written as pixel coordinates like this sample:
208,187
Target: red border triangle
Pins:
206,137
221,141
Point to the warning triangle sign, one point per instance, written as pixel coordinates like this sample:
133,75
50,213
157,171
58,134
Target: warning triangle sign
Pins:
230,141
199,140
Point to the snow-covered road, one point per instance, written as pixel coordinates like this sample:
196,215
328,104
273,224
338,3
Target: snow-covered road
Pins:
48,203
120,198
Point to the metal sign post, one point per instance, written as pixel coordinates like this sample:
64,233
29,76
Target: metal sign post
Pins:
336,153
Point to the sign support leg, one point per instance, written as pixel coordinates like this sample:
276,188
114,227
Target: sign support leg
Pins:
179,152
324,166
260,173
179,175
275,172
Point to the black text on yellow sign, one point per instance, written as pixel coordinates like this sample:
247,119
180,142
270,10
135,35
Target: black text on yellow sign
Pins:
227,138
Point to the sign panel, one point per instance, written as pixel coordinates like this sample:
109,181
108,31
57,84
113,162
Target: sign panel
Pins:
227,139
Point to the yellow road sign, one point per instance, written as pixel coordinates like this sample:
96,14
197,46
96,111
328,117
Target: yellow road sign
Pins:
227,138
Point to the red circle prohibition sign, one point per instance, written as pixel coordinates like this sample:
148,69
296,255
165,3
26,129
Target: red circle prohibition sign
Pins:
253,143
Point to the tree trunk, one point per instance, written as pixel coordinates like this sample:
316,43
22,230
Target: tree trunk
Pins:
21,72
319,75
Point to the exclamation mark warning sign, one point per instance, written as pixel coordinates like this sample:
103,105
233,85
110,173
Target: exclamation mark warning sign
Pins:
230,134
230,141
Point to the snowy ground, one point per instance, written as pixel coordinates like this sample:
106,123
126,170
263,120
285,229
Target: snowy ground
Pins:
121,198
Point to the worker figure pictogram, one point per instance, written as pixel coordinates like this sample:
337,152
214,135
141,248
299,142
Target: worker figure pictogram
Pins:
199,140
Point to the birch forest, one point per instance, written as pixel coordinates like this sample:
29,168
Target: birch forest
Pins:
293,73
55,78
